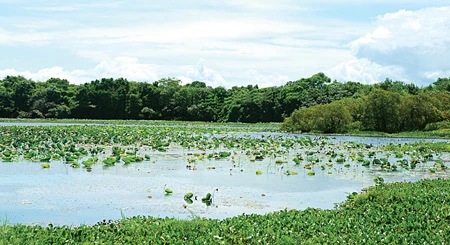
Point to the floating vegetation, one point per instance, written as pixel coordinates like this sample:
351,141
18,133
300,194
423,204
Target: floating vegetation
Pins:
188,198
289,172
112,145
167,190
311,173
207,199
188,195
224,152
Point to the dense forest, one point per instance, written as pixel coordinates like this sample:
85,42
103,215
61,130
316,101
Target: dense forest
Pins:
385,107
308,104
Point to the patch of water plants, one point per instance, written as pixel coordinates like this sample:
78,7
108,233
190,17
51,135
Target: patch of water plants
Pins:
236,150
394,213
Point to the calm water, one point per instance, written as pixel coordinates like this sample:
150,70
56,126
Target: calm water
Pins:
64,195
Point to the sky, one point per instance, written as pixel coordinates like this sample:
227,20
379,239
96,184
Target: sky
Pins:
226,43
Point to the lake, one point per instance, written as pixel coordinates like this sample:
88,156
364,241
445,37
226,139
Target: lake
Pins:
64,195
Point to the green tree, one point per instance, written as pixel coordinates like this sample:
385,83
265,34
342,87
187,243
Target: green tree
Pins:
21,92
6,102
328,118
417,111
381,111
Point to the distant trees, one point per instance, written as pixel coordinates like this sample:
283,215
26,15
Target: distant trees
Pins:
309,104
380,110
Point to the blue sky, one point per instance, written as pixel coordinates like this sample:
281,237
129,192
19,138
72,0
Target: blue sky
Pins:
226,43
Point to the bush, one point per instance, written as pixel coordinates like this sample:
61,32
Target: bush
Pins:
437,126
329,118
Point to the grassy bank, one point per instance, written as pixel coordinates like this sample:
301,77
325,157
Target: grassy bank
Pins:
396,213
442,133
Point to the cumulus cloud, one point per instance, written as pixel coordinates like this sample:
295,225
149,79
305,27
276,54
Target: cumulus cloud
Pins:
200,72
126,67
264,80
410,45
366,71
131,69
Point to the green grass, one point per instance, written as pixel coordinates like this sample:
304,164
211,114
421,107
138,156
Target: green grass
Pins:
396,213
442,133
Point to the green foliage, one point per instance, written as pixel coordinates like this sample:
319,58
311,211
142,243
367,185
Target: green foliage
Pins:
378,180
314,104
437,126
166,99
417,111
420,146
382,111
385,109
329,118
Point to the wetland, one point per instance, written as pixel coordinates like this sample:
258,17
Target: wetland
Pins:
82,173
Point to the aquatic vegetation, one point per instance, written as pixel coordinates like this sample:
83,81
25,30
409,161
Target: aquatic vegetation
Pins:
188,198
311,173
208,199
234,153
378,180
110,161
419,146
188,195
290,172
75,164
167,190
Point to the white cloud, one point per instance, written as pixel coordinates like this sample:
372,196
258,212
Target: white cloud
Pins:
95,55
264,80
191,31
365,71
171,32
244,42
40,75
125,67
7,37
412,45
437,74
200,72
267,5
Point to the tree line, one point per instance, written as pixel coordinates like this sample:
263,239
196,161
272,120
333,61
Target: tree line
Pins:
387,107
167,99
